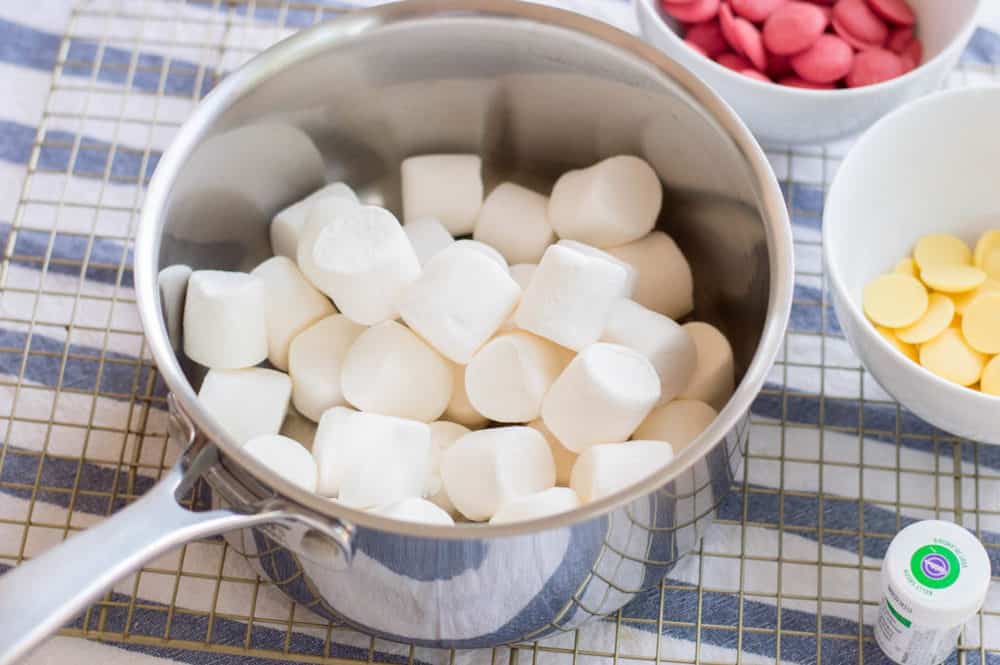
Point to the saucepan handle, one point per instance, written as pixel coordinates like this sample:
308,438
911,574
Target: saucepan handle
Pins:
43,594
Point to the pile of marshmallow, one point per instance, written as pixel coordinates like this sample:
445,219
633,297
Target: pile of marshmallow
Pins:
817,44
496,378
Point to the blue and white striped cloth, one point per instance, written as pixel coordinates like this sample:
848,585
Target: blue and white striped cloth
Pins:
836,468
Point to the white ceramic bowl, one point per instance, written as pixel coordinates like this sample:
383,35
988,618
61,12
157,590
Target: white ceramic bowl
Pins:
779,114
930,167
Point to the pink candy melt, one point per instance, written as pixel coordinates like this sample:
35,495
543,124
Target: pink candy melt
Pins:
778,66
894,11
733,61
875,66
811,44
793,27
796,82
750,43
855,43
756,75
756,10
899,40
708,37
697,48
826,61
727,23
913,54
691,12
856,19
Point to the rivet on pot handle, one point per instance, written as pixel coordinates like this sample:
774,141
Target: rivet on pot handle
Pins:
41,595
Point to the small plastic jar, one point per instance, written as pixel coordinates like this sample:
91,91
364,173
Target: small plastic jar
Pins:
934,579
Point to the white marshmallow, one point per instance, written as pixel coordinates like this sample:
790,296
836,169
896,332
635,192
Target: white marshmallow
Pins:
298,427
382,477
570,296
369,460
714,375
428,237
286,227
552,501
459,302
607,468
315,359
248,402
507,379
678,423
225,319
443,435
590,250
561,455
522,273
415,510
608,204
172,283
292,305
286,457
666,344
601,396
460,409
664,283
389,370
359,256
485,469
342,436
514,220
483,249
446,187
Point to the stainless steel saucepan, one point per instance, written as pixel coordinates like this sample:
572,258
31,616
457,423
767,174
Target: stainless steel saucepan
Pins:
536,91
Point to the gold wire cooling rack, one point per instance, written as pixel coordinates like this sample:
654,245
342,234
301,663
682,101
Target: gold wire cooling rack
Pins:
86,440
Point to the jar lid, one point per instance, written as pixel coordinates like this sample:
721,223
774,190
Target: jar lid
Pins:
941,570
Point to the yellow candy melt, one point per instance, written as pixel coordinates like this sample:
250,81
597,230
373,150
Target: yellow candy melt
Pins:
895,300
906,266
941,248
989,242
907,350
939,315
990,383
941,309
981,324
963,300
991,264
951,358
952,278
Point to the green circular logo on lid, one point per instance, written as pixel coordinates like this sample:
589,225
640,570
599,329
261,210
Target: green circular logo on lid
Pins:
935,566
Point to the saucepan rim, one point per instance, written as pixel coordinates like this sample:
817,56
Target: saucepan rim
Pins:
314,40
